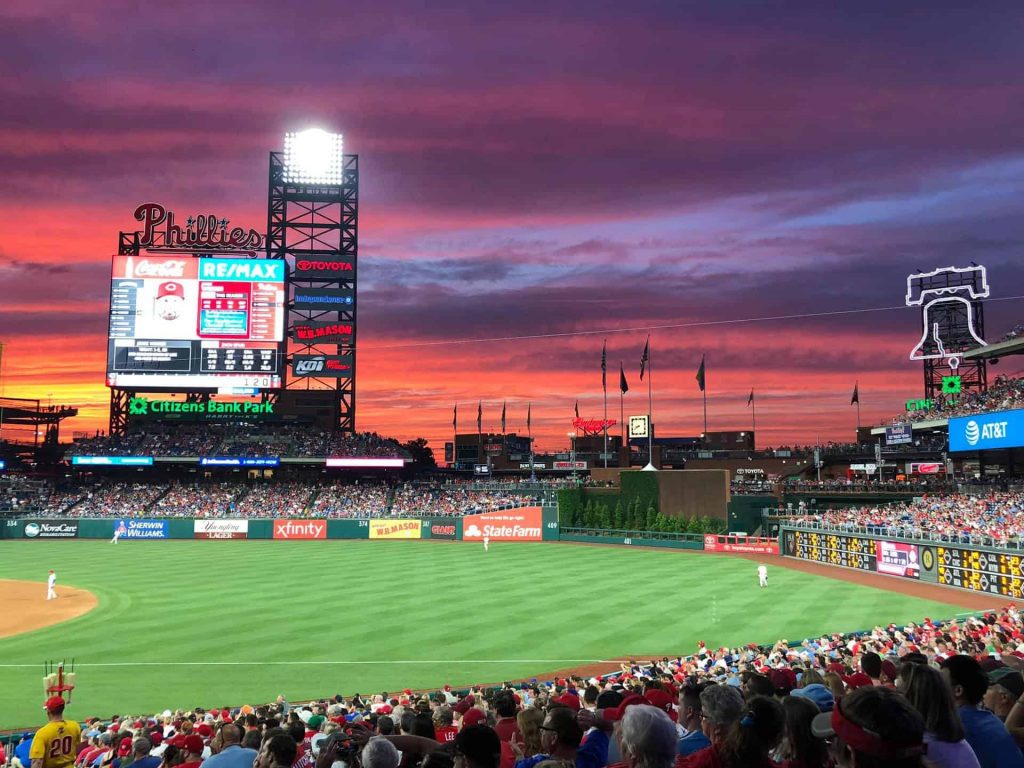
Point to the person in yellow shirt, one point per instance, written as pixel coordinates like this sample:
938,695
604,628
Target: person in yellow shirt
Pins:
56,743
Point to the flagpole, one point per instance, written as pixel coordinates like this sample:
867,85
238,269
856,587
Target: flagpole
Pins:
753,420
650,414
704,391
622,416
529,432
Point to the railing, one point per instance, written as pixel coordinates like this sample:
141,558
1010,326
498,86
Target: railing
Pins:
619,533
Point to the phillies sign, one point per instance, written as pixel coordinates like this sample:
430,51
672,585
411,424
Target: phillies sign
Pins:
323,268
315,332
204,233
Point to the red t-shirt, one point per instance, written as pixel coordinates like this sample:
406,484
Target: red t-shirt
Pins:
446,734
709,757
506,727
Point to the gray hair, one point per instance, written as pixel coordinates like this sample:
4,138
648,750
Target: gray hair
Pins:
142,745
649,737
380,753
721,704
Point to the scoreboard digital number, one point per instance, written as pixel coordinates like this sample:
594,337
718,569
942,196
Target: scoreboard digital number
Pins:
833,549
997,573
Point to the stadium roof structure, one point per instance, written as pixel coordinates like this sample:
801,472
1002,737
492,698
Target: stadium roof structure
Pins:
996,351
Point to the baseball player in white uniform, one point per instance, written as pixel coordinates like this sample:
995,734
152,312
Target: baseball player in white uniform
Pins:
51,583
762,575
119,531
486,542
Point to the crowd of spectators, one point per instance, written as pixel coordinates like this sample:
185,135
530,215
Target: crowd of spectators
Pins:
341,499
283,499
233,440
935,693
211,499
116,500
995,518
414,499
1005,393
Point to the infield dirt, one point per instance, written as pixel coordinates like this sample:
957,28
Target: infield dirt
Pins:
27,609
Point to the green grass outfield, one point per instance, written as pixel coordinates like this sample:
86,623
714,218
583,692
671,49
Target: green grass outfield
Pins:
213,623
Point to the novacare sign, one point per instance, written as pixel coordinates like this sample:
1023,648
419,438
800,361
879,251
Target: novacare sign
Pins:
987,431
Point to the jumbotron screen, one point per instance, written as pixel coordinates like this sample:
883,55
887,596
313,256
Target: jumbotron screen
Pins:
196,322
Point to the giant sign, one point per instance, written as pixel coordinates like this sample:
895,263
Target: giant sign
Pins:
523,524
195,323
317,332
899,434
324,268
897,558
111,461
987,431
323,366
142,529
203,234
395,529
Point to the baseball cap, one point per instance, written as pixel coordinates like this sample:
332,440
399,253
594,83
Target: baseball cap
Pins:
315,722
1008,679
170,289
663,701
570,700
463,706
619,711
474,717
818,695
856,680
54,703
193,743
204,730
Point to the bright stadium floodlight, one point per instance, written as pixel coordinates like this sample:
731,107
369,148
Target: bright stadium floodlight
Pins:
313,157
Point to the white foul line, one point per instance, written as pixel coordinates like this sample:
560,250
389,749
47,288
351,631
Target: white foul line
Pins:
300,663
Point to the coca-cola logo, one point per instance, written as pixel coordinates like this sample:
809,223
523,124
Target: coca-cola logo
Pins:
306,265
167,268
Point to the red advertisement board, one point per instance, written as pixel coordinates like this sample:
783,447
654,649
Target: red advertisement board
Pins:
300,529
523,524
754,545
897,558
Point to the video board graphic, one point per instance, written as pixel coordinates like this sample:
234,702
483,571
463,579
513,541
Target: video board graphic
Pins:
195,323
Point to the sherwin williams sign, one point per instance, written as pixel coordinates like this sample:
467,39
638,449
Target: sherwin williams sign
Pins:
987,431
395,529
142,529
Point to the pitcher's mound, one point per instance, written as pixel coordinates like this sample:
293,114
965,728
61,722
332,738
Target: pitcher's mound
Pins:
25,605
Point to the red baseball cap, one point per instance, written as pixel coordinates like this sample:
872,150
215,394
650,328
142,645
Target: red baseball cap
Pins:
662,700
857,680
194,743
616,713
570,700
54,703
170,289
474,717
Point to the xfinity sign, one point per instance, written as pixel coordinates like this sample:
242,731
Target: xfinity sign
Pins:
987,431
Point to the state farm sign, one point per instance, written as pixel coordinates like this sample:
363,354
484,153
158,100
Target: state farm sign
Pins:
523,524
300,529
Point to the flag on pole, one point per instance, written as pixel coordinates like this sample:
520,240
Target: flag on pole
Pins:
577,409
645,357
604,366
751,398
479,416
455,418
503,418
700,374
856,394
528,409
623,386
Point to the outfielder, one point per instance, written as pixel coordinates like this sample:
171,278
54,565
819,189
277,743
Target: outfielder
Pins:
486,542
51,583
119,531
762,575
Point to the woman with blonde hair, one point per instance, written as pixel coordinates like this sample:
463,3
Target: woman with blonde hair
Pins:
529,721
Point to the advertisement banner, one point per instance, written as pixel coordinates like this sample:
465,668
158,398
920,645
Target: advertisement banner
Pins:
42,529
317,332
239,461
324,366
926,468
523,524
568,465
442,528
323,268
300,529
221,529
985,431
357,462
899,434
897,558
111,461
746,544
395,529
142,529
323,299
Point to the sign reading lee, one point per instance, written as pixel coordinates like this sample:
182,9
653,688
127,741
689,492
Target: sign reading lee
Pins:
523,524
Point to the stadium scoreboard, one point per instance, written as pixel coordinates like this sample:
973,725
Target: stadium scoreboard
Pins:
196,322
962,566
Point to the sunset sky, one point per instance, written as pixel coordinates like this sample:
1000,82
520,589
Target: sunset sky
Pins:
534,169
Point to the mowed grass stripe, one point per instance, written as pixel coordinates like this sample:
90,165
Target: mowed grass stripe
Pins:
442,604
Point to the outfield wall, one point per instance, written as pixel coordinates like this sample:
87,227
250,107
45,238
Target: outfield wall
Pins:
517,524
972,567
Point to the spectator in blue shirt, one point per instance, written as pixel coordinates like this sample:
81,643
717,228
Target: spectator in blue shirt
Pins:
985,732
690,718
